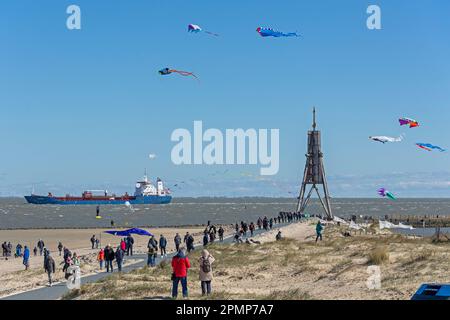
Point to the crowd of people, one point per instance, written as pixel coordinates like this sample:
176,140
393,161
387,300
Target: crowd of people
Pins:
180,261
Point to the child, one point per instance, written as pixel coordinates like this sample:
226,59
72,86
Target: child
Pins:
152,252
101,258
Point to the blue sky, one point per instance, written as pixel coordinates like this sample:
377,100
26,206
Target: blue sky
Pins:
84,108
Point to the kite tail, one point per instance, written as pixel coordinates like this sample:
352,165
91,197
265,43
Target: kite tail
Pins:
290,34
185,74
211,33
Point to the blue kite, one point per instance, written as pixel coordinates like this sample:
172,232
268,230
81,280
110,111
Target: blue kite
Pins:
268,32
429,147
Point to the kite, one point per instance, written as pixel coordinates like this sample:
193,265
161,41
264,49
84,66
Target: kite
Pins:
167,71
429,147
268,32
385,193
407,121
384,139
152,156
196,29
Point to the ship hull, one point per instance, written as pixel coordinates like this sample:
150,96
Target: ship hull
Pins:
34,199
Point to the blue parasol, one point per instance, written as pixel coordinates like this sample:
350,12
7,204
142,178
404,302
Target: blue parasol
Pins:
125,233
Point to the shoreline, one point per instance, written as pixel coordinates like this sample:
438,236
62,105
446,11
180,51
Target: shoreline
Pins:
113,227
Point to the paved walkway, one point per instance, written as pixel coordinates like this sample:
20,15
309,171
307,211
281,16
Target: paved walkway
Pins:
59,289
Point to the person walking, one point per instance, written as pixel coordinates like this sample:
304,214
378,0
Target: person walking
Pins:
93,241
109,258
49,267
180,266
101,258
177,241
4,249
221,232
205,239
206,276
152,243
35,250
123,245
26,258
41,246
151,256
190,243
75,260
60,248
130,244
18,251
319,229
163,245
252,228
119,258
212,237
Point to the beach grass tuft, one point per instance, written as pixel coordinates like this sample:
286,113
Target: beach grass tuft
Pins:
379,255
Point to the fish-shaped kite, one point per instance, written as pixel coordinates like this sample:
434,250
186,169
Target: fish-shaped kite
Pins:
196,29
429,147
384,139
268,32
385,193
167,71
407,121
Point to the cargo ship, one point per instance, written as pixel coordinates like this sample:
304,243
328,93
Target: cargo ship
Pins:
145,193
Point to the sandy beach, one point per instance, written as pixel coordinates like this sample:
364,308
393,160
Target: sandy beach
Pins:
14,279
297,268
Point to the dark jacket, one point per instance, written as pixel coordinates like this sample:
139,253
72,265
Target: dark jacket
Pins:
130,241
49,264
109,254
162,242
119,254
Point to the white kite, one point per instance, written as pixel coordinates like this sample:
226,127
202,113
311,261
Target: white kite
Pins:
152,156
384,139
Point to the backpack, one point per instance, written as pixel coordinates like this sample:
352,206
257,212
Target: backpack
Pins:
206,265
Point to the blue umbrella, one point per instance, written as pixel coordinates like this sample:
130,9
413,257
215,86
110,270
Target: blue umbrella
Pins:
125,233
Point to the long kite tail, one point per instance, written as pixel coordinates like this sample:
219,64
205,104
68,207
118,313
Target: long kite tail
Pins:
184,73
290,34
211,33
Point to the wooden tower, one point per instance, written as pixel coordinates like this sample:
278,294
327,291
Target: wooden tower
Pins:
314,174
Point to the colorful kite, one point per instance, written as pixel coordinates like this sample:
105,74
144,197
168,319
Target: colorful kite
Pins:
429,147
196,29
268,32
384,139
385,193
406,121
167,71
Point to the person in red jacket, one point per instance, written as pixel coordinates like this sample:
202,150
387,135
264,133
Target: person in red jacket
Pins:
180,266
